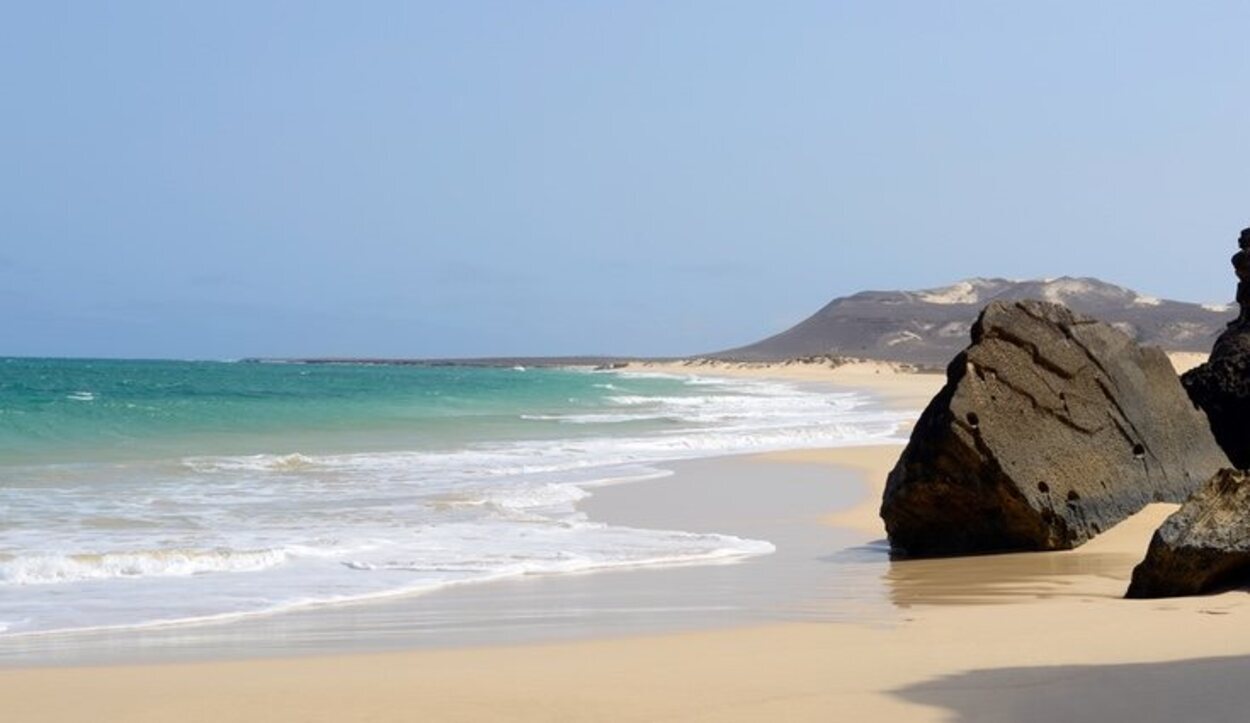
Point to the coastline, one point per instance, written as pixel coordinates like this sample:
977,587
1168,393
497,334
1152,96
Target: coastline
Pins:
532,606
1018,636
897,386
718,495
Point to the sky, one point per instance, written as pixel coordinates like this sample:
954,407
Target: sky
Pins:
441,179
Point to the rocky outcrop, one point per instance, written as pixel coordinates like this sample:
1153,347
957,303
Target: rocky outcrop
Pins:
1204,546
1051,428
1221,387
929,326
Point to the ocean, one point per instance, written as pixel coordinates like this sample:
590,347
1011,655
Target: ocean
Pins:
146,493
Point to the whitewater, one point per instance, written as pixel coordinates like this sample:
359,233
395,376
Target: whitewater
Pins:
138,494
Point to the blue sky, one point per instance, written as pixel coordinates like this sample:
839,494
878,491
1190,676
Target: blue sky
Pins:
217,180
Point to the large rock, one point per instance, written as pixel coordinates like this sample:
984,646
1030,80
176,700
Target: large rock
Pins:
1221,387
1052,427
1204,546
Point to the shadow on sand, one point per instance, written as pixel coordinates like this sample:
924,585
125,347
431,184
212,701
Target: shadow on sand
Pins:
1208,690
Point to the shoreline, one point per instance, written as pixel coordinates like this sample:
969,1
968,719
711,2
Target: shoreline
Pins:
199,639
714,495
1010,627
897,386
1027,636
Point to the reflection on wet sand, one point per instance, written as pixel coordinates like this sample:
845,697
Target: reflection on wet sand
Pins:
1099,569
1008,578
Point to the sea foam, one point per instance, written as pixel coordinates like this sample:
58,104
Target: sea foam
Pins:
49,569
213,537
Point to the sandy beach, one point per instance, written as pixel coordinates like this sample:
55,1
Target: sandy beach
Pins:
583,361
1030,637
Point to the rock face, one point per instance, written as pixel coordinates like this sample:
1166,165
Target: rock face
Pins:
1204,546
1052,427
1221,387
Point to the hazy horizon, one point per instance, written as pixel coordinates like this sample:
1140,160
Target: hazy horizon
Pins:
508,359
495,179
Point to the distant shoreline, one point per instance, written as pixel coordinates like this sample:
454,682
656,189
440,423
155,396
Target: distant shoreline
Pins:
502,362
686,364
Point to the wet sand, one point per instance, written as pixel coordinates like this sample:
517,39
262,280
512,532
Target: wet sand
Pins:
774,498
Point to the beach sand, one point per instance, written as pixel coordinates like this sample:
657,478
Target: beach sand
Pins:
1030,637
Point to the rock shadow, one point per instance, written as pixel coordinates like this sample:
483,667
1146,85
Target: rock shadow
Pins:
1207,690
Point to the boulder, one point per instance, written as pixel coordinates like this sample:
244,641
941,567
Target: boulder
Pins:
1052,427
1204,546
1221,387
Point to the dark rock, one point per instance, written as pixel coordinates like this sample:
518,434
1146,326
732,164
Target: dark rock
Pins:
1221,387
1052,427
1204,546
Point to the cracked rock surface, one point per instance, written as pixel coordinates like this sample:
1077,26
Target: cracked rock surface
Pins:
1204,546
1052,427
1221,388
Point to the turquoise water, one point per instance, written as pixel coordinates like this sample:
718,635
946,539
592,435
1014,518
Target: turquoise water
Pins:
137,493
63,410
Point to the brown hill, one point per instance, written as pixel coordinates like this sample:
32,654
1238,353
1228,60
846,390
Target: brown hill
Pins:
930,326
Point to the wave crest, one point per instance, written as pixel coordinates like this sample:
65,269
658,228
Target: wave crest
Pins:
51,569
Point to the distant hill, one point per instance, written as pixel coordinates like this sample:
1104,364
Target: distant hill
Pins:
930,326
